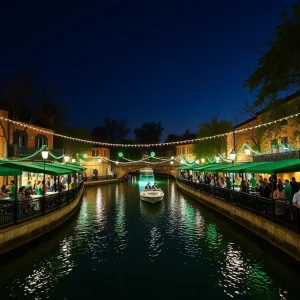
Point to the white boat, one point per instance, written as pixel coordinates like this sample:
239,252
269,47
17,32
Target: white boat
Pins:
152,195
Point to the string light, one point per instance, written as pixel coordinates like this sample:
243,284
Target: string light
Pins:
147,145
44,147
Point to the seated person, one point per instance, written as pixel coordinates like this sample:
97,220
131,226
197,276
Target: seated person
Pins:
4,190
155,186
148,186
21,194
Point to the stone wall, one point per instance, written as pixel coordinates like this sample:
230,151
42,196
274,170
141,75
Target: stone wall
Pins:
284,239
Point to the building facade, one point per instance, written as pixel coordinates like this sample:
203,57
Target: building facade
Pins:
98,162
274,142
185,152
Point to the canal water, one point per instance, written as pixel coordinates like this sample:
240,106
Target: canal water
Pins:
118,247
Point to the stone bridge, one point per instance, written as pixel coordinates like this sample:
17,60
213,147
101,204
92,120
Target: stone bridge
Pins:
122,170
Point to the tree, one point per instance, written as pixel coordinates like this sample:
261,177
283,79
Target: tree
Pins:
148,133
279,68
25,102
212,147
113,131
73,147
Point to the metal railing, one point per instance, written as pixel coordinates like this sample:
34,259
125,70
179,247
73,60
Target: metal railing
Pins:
15,211
99,178
280,212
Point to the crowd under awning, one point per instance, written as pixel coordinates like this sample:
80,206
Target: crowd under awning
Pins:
283,166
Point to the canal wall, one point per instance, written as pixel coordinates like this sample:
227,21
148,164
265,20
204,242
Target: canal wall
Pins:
281,237
99,182
20,234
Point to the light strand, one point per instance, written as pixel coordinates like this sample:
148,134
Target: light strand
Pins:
148,145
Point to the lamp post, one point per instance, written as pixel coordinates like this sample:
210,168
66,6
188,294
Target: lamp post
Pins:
232,156
45,154
248,153
66,158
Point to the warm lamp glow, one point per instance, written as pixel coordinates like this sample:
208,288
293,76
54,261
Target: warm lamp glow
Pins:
182,161
45,154
73,160
248,151
232,155
217,159
66,158
197,161
99,160
171,162
117,162
202,160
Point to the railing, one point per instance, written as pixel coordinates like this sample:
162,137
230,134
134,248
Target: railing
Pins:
99,178
280,212
276,156
13,212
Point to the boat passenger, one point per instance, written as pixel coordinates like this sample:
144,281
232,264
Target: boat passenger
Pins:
148,186
155,186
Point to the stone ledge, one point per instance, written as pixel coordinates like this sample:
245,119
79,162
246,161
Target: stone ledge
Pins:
281,237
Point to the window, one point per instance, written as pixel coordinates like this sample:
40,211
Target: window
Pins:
273,143
95,152
20,138
283,122
40,141
285,140
274,146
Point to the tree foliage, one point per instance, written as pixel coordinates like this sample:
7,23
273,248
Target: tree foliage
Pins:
112,131
212,147
279,68
148,133
72,147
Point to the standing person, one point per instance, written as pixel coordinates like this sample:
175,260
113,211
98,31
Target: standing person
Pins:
296,200
12,190
279,197
253,181
295,186
288,190
228,183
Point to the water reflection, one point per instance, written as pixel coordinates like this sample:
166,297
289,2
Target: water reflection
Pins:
118,242
151,211
120,219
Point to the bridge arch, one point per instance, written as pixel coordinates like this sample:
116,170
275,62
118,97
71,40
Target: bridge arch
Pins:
122,170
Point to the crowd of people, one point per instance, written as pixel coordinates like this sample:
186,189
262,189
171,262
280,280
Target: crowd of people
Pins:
271,188
37,187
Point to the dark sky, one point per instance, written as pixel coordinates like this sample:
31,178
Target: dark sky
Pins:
177,62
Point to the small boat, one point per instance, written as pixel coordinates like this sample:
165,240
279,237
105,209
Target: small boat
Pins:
152,195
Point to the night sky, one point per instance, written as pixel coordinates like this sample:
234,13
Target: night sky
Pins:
177,62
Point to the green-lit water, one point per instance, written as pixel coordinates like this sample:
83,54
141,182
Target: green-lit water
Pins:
118,247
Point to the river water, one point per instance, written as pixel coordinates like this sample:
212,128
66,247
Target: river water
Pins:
118,247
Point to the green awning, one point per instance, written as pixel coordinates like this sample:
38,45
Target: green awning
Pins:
242,167
37,167
203,167
186,167
4,171
282,166
74,168
216,167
